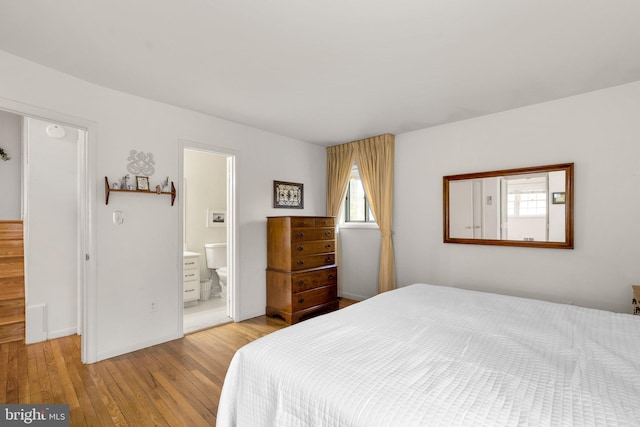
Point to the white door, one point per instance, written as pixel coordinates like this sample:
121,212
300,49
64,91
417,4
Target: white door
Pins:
461,209
52,223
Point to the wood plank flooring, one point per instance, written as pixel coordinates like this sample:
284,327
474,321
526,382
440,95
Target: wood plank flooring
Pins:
172,384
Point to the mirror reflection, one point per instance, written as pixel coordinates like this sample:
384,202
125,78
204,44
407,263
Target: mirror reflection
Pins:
518,207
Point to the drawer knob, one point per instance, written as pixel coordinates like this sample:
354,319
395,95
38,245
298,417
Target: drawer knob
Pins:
300,262
190,275
328,260
299,248
300,234
330,276
300,282
327,233
327,246
300,300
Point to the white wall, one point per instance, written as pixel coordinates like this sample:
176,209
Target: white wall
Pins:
360,248
140,259
598,131
206,181
11,170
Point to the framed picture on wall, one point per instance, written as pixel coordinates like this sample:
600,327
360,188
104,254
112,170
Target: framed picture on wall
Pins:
558,198
288,195
142,183
216,217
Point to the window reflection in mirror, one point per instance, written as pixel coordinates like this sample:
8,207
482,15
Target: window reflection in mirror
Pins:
516,207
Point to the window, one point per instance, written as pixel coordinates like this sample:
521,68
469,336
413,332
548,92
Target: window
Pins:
527,204
527,197
356,204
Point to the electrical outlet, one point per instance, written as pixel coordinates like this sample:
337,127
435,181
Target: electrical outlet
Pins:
153,306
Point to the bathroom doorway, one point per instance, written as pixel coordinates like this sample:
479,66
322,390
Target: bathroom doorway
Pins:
207,230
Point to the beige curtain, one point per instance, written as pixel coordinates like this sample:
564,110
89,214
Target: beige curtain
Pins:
375,163
340,159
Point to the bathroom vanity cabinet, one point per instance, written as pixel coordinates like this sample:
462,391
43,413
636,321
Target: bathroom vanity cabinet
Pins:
302,276
191,277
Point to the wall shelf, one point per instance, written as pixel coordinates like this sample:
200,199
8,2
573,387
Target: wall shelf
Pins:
108,190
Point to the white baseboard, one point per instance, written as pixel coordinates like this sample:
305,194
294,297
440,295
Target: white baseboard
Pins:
62,333
138,346
353,296
248,316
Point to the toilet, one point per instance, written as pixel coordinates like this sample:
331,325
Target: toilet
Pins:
216,255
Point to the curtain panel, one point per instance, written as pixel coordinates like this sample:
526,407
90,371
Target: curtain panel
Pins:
375,157
340,159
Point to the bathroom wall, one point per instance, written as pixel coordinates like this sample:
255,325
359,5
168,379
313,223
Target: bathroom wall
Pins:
205,187
11,170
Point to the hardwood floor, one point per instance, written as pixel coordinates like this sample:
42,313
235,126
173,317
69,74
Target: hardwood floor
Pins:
174,384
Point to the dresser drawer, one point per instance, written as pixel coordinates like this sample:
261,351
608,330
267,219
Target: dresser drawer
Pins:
302,221
301,234
314,279
312,261
283,284
310,248
314,297
325,222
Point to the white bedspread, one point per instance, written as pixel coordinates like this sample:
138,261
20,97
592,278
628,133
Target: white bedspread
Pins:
426,355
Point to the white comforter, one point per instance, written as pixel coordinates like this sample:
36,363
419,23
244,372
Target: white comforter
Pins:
427,355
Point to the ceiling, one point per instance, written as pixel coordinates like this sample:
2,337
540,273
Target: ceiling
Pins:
334,71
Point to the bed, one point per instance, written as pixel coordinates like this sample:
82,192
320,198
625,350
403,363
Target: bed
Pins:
425,355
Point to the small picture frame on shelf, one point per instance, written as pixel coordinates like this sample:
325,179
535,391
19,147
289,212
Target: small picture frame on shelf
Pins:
288,195
142,183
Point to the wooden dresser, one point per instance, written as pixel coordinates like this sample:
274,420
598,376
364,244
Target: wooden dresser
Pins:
302,275
11,282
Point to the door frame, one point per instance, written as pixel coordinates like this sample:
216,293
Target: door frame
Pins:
87,193
233,245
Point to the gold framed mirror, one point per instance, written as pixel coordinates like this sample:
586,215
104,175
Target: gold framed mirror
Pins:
530,207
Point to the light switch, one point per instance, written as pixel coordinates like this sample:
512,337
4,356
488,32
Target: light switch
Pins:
118,217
